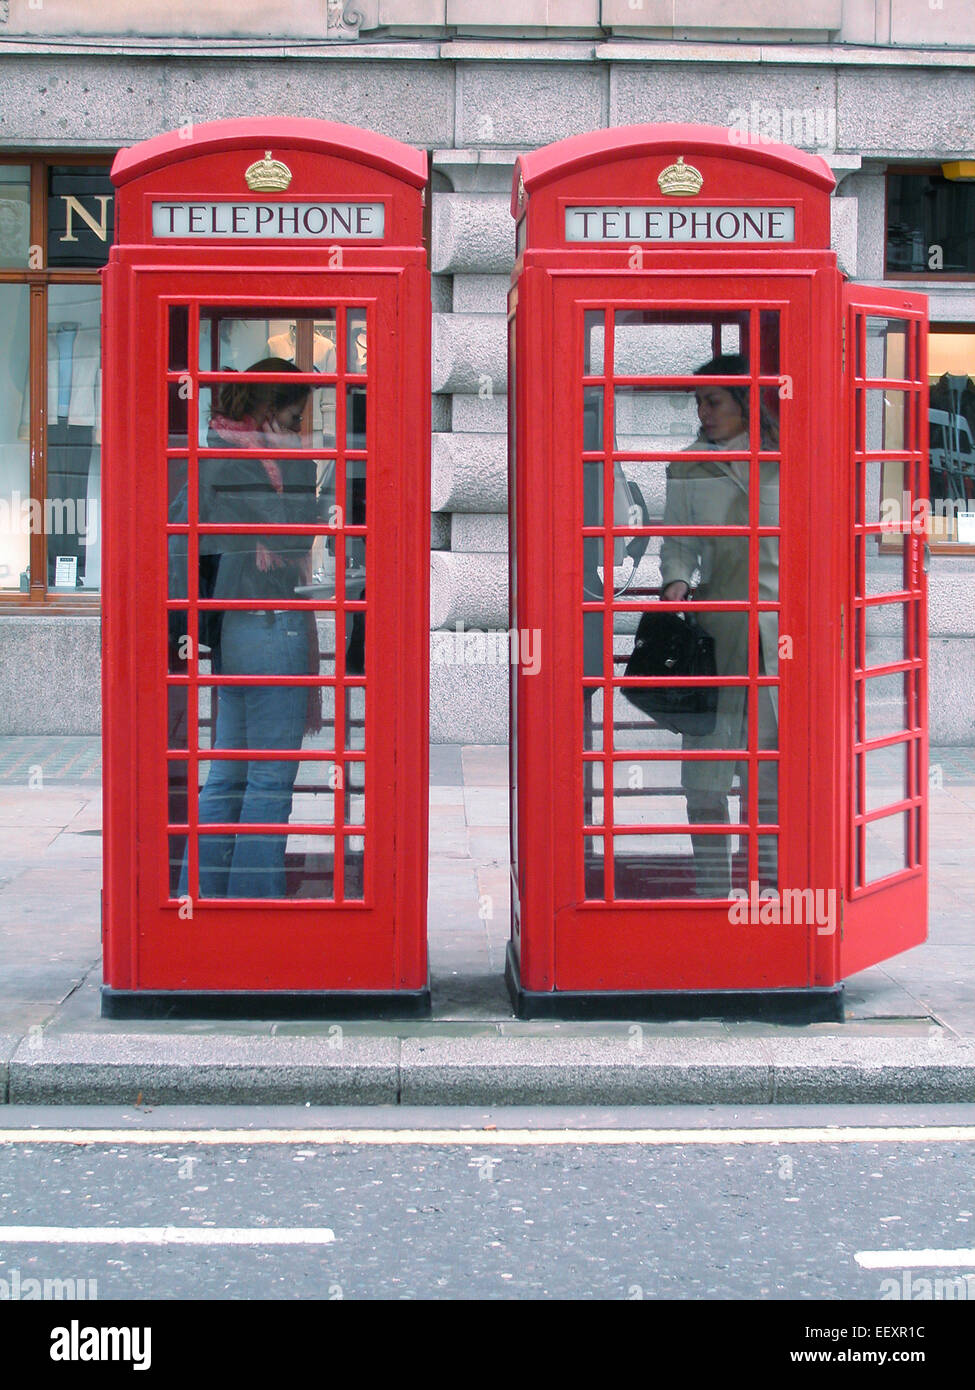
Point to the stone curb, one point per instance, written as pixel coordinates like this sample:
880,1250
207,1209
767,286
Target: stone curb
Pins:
119,1069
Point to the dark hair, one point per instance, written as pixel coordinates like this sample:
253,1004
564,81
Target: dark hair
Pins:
240,400
734,364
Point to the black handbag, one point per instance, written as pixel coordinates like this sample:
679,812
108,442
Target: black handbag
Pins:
670,645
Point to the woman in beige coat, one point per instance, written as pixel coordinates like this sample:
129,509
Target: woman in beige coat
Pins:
705,493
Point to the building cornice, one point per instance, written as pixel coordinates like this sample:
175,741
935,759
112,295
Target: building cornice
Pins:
487,50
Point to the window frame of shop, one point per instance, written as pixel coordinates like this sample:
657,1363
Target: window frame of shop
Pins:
927,276
41,598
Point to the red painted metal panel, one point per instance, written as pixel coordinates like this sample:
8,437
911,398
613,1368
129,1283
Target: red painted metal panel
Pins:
353,912
885,911
580,924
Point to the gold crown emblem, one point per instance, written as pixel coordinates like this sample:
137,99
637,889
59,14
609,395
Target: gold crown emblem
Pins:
268,175
680,178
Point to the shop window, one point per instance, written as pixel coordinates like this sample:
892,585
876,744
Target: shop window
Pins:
950,520
930,225
55,233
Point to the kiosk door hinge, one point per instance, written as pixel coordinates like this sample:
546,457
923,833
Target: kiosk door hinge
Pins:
842,629
843,343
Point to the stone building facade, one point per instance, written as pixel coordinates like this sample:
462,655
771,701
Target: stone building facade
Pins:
871,85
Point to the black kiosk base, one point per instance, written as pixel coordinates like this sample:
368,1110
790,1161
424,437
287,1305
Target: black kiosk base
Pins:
795,1006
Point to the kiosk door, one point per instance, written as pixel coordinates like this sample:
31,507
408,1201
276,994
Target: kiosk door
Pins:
885,335
268,447
684,485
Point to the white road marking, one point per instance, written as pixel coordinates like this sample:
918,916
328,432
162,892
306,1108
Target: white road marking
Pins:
915,1259
166,1235
507,1138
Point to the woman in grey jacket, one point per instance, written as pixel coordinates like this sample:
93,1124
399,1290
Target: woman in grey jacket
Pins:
704,493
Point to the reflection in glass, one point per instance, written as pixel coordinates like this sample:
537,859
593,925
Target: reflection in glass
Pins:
884,418
355,718
355,417
357,352
592,418
884,702
661,342
232,342
885,776
886,348
314,430
354,866
658,866
14,216
74,436
14,435
647,418
594,870
886,845
179,332
306,866
594,343
355,793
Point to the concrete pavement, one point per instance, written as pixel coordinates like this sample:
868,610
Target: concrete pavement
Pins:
909,1033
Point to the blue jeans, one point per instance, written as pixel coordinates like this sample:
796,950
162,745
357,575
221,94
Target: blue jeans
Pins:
257,716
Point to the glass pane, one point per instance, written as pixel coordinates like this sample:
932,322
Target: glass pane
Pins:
268,567
15,509
929,222
593,866
951,367
264,716
885,707
357,351
354,867
648,867
885,776
655,419
592,719
254,865
650,793
650,342
768,877
14,216
260,491
885,341
885,633
637,729
74,436
355,417
594,343
592,418
355,793
769,319
179,330
883,573
885,419
886,846
265,415
237,343
355,718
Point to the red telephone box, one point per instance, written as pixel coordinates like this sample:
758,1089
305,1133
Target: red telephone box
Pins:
265,645
682,342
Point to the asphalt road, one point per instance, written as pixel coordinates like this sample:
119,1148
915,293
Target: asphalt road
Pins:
810,1205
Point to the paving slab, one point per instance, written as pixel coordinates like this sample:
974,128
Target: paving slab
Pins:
909,1033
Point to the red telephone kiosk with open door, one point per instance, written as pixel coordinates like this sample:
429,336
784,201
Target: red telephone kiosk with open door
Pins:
266,633
704,422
